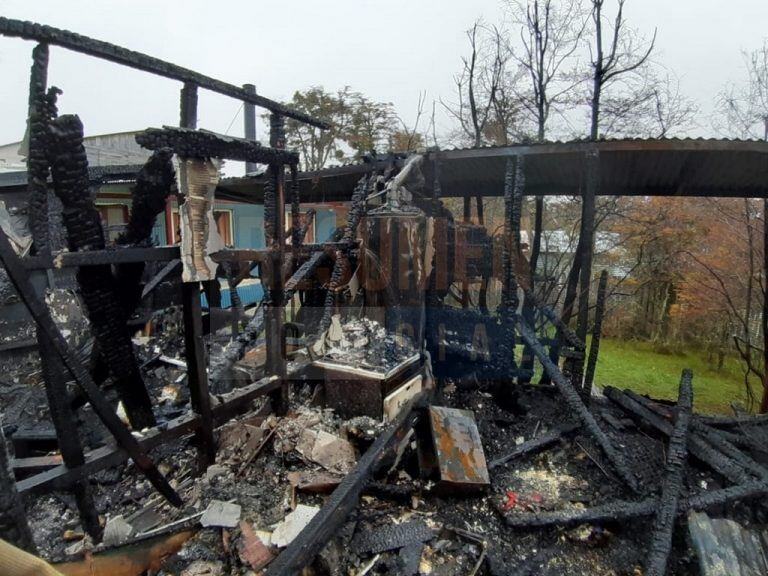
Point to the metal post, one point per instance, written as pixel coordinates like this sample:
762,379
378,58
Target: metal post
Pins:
249,124
274,232
194,344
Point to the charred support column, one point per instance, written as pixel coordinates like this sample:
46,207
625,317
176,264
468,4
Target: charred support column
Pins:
38,169
41,111
69,168
587,241
274,233
194,344
509,300
65,423
249,124
594,347
467,218
13,518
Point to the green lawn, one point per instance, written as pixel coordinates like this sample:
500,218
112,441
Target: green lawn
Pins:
637,366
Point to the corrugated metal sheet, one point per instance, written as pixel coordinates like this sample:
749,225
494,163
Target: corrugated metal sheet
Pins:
663,167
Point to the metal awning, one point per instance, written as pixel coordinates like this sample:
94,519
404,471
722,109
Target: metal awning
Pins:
633,167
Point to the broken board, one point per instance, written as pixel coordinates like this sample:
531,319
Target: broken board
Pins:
451,450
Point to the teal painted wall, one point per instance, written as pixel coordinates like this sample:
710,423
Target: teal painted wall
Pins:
248,223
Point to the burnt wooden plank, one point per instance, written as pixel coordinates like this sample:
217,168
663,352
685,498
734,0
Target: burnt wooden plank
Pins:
701,450
534,445
664,523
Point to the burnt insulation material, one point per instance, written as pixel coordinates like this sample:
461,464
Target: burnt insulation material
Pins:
97,285
664,523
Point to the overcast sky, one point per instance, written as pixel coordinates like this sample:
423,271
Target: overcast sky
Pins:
390,50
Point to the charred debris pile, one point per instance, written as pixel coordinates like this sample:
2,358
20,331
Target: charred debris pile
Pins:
352,422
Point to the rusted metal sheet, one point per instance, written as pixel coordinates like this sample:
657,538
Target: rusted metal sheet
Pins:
459,459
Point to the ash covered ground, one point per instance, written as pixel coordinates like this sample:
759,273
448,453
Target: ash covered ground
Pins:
270,466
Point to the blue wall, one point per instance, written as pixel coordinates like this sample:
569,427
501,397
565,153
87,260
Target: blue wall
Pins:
248,222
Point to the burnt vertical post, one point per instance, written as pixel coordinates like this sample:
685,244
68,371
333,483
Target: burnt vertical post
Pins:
194,345
62,414
587,241
464,276
594,347
13,518
249,124
65,423
274,232
509,300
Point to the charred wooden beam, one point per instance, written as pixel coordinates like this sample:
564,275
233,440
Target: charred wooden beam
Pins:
341,263
42,109
62,477
97,284
154,183
587,241
139,61
664,524
597,330
272,270
710,435
534,445
45,324
624,510
734,421
344,499
191,143
194,345
13,517
577,406
701,450
110,255
65,422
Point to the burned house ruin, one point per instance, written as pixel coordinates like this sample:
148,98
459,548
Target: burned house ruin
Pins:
352,421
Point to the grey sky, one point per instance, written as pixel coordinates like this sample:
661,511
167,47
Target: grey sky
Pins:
388,49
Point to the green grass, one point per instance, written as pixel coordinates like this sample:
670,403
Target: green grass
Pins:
636,365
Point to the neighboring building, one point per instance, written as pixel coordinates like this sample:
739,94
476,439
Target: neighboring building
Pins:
114,160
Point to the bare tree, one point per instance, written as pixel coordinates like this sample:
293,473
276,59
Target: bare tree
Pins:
478,83
744,108
648,105
550,33
624,53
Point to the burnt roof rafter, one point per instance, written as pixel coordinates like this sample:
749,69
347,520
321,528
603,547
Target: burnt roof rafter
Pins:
132,59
